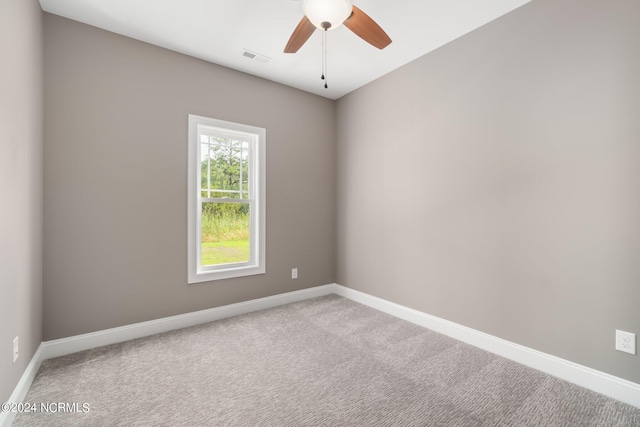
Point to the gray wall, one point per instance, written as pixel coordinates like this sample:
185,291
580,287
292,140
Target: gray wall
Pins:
115,176
20,187
496,181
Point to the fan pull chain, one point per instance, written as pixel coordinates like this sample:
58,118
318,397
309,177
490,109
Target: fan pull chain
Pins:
324,58
323,43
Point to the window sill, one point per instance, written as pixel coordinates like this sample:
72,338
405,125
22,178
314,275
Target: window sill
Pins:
227,273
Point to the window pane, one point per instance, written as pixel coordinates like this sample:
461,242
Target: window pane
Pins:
225,168
225,233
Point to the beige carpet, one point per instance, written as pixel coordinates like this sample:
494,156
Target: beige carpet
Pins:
322,362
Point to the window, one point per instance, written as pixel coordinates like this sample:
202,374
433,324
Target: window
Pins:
226,211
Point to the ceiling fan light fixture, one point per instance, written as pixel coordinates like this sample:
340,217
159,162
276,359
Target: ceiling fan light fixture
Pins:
335,12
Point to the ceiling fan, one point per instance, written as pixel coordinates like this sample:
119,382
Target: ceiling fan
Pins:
330,14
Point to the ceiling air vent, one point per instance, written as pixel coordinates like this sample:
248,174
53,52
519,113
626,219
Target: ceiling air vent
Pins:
255,56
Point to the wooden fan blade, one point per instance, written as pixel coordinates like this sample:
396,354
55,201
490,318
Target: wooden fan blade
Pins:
367,29
300,35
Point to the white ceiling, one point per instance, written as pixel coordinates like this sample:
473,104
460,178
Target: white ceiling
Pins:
219,30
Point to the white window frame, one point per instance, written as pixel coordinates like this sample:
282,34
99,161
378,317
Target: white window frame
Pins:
257,142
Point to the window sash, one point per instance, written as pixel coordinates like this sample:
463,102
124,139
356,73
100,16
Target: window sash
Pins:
242,139
253,252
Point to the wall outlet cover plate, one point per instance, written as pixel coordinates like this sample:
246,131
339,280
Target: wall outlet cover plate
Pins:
626,341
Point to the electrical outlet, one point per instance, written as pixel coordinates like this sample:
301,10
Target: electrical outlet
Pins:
626,341
15,349
294,273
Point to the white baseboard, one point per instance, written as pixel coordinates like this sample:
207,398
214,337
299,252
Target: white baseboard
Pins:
6,418
600,382
609,385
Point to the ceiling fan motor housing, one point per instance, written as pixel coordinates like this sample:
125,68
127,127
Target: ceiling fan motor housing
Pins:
327,14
